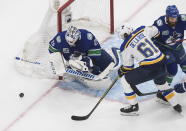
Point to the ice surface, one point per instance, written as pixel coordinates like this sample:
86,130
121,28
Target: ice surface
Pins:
46,107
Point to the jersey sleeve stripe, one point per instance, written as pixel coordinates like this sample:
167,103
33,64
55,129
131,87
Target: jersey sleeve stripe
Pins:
52,49
94,52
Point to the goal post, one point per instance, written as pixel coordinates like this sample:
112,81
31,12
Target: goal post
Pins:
112,16
59,14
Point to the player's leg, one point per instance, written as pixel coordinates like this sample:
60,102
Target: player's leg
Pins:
180,87
172,69
167,96
135,77
132,108
171,65
183,66
181,59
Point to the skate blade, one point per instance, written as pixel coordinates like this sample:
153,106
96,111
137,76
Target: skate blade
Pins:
163,102
130,114
181,114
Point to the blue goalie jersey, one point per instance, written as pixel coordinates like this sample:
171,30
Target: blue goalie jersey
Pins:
169,35
86,45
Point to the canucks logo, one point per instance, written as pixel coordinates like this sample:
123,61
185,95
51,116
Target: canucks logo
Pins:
172,39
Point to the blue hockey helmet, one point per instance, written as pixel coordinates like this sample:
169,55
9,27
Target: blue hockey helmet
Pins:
72,35
172,11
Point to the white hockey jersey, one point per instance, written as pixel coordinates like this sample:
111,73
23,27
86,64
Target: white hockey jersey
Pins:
139,47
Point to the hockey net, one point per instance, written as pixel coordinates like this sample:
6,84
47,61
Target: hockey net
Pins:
93,15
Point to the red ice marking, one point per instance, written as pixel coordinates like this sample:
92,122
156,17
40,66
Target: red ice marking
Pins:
138,10
29,108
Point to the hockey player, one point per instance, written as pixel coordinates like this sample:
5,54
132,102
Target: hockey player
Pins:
79,50
138,46
171,27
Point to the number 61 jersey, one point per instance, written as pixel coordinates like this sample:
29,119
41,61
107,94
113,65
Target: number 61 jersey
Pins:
139,47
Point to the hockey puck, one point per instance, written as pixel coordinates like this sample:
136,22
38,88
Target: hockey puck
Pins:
21,95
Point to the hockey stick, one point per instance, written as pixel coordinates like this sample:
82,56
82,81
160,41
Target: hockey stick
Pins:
166,45
27,61
139,93
67,70
80,118
181,40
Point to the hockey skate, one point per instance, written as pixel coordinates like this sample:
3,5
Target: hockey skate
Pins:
131,110
177,108
161,99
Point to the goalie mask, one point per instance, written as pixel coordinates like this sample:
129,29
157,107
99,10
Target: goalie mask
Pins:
124,31
72,35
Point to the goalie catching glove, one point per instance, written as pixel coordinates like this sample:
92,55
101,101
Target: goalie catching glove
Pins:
81,63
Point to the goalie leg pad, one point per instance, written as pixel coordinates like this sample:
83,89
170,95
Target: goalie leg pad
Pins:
57,63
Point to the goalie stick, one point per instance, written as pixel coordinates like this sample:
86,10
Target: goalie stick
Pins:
80,118
67,70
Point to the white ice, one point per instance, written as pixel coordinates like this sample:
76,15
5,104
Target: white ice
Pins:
46,107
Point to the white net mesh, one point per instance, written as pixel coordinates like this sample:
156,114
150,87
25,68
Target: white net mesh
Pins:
93,15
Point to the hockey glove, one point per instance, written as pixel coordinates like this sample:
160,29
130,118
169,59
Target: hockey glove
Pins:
122,71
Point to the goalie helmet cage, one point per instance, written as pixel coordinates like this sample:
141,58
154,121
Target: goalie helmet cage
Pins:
93,15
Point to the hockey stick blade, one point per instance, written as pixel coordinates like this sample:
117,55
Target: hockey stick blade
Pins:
79,118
